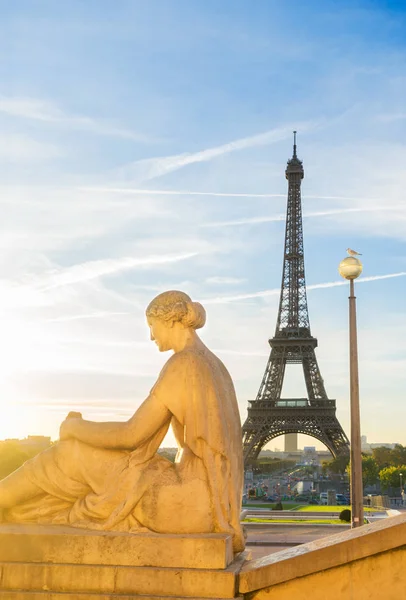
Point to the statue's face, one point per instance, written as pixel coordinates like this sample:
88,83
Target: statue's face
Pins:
160,334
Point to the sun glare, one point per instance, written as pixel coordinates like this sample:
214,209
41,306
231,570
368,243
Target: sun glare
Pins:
18,353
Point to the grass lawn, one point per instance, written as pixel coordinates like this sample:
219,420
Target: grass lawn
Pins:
297,521
286,505
318,508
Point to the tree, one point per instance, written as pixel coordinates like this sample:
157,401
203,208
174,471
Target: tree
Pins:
390,476
337,465
11,457
345,515
390,457
383,456
370,470
399,455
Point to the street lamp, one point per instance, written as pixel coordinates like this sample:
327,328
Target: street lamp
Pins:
350,268
401,487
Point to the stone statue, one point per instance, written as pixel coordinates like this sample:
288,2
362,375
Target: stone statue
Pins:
109,476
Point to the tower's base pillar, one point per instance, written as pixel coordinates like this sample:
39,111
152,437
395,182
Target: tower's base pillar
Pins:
291,442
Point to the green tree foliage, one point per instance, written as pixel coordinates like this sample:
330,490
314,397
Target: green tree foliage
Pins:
399,455
345,515
388,457
11,457
337,465
370,470
13,454
382,456
266,466
390,476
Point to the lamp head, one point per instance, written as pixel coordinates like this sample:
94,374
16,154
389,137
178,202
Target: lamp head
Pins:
350,267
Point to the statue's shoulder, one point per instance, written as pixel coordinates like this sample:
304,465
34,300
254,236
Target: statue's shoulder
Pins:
178,360
178,368
185,359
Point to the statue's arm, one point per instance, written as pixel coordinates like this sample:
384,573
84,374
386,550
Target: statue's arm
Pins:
146,421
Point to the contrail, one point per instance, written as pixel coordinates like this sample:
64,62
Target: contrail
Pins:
135,191
281,217
315,286
95,315
99,268
151,168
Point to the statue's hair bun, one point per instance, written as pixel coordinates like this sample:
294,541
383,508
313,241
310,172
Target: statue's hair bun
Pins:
177,306
195,316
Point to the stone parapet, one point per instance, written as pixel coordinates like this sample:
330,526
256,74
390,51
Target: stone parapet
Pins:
68,596
62,563
57,544
293,565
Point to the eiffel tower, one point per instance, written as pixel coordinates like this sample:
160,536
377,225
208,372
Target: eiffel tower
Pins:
269,415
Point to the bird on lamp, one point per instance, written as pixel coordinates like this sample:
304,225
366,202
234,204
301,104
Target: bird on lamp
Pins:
353,252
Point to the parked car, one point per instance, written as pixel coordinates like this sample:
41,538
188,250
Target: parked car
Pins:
302,499
323,498
341,500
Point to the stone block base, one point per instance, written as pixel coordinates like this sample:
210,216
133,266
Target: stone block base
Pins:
56,544
60,563
68,596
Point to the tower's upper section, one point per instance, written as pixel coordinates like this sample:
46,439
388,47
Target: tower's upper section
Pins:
295,166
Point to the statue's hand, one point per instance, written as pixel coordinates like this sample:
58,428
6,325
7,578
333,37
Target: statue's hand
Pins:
74,415
67,428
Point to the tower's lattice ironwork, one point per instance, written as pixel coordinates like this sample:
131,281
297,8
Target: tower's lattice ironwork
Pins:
269,415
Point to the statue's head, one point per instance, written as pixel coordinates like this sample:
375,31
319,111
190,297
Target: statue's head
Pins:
171,310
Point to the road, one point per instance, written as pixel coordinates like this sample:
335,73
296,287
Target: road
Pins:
267,539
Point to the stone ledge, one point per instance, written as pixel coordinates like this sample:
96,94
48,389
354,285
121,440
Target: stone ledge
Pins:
57,544
98,579
69,596
323,554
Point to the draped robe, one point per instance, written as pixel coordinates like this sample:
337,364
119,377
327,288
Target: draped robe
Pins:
139,490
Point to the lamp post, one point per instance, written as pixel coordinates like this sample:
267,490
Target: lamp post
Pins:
350,268
401,487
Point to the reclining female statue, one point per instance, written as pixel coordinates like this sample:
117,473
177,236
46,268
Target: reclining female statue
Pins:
109,476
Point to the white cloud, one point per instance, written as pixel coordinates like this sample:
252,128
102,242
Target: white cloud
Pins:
390,117
95,315
21,148
100,268
219,280
47,112
48,218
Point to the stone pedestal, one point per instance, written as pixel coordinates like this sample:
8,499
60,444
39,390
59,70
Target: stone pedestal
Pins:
63,563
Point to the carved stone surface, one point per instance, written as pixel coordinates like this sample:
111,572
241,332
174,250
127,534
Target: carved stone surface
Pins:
110,477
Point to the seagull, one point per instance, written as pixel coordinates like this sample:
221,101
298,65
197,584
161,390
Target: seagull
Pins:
353,252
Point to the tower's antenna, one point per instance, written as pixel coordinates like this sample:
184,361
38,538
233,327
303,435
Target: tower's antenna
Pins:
294,144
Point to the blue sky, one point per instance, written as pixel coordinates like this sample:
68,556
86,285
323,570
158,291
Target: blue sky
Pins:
143,147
